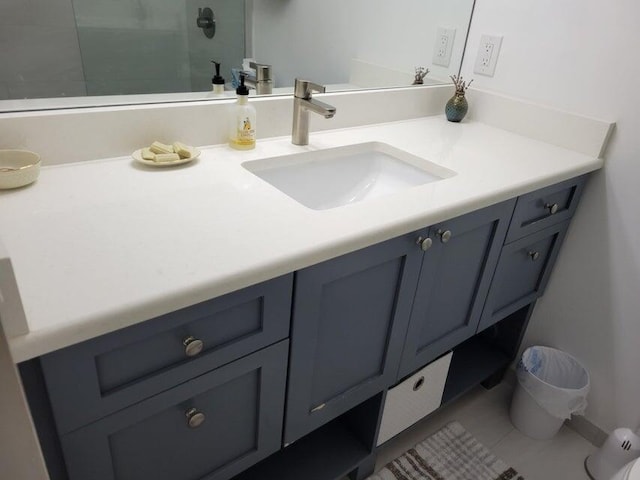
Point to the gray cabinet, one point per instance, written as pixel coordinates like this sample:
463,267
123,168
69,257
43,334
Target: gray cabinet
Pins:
349,321
454,280
545,207
199,394
522,273
536,232
211,427
351,314
100,376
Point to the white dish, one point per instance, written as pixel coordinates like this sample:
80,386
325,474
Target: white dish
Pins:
18,168
137,156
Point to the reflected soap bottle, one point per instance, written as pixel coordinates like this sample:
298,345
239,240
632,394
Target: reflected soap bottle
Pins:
217,81
242,120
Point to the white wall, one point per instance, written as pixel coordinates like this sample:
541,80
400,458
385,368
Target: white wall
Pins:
580,55
319,39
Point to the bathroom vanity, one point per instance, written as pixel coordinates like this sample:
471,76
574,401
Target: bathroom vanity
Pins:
301,364
199,323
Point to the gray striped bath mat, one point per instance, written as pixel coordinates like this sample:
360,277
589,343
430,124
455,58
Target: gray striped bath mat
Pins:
452,453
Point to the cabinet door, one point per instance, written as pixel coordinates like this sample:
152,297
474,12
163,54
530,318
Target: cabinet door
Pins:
209,428
454,280
522,273
349,322
98,377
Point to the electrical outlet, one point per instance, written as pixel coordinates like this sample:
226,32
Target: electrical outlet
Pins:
443,46
488,52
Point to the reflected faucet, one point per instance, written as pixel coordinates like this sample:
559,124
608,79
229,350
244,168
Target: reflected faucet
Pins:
302,104
262,82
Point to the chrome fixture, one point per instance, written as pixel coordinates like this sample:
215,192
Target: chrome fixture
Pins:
552,207
206,21
445,235
192,346
302,104
194,418
424,243
262,82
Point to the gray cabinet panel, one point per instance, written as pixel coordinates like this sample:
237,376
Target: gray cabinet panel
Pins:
349,321
98,377
545,207
243,404
454,281
522,273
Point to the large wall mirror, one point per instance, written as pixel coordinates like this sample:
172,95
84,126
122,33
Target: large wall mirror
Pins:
63,53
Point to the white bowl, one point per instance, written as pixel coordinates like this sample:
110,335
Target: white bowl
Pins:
18,168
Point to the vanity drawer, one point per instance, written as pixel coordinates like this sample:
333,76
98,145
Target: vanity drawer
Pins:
545,207
100,376
522,273
209,428
415,398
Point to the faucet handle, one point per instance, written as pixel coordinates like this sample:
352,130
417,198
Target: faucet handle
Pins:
303,88
263,70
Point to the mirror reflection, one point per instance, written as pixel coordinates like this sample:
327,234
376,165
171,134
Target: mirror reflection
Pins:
159,50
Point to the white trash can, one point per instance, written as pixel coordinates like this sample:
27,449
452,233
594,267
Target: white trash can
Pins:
552,385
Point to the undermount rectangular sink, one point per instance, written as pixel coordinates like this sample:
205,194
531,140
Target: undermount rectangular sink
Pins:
334,177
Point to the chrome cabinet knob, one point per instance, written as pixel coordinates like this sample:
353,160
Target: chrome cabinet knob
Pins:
552,207
192,346
194,418
424,243
534,255
445,235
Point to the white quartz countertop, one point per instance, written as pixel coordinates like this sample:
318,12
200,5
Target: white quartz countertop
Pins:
100,245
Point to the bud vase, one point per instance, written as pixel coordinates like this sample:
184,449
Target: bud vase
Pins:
457,107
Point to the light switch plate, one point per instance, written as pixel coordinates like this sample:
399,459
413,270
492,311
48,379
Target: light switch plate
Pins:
443,46
488,52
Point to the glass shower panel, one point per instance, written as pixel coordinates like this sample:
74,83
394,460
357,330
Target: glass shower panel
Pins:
144,46
226,47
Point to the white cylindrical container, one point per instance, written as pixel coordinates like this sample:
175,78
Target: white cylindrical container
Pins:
552,385
531,419
629,472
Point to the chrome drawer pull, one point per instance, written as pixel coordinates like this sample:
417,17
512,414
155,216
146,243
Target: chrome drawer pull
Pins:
534,255
424,243
192,346
419,384
194,418
552,207
445,235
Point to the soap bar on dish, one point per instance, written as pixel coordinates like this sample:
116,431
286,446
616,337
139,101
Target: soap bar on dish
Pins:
159,147
183,150
167,157
147,154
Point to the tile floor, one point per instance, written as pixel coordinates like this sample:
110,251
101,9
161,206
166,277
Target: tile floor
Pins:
485,414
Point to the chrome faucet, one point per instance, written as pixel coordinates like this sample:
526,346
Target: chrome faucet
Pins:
262,82
302,104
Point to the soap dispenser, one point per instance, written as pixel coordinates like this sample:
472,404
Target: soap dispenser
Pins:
217,81
242,127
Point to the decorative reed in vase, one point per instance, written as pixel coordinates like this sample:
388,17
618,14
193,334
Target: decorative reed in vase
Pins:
457,105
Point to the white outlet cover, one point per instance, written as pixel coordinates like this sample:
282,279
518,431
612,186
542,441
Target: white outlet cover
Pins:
443,46
487,57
